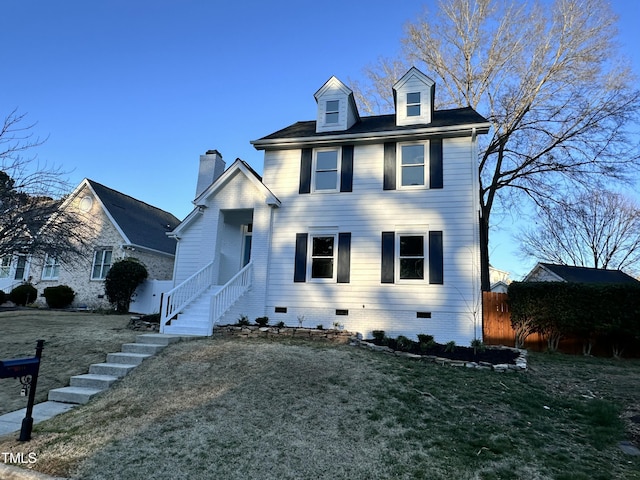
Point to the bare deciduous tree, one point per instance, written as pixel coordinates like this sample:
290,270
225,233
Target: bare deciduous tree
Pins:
30,196
599,229
548,77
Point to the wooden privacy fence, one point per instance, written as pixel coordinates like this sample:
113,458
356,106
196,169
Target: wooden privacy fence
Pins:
496,324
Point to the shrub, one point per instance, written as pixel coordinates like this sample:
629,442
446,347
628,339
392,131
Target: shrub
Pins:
404,343
59,296
3,297
319,327
424,338
23,294
262,321
378,335
243,320
478,346
450,346
122,280
280,324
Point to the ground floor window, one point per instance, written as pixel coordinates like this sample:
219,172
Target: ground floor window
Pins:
101,264
5,266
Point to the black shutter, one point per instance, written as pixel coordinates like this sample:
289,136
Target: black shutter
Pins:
435,163
388,247
305,170
346,175
389,182
344,257
300,265
436,263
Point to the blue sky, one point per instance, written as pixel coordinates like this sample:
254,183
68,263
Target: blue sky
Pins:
131,92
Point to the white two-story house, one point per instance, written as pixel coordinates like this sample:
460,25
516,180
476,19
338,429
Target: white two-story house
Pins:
370,222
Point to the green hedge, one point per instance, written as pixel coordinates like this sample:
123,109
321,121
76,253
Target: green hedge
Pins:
60,296
590,312
23,294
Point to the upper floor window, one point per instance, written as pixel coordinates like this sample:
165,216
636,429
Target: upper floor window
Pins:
413,104
412,165
332,111
326,170
101,264
51,268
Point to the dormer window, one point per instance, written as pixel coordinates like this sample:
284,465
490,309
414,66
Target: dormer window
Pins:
332,111
413,104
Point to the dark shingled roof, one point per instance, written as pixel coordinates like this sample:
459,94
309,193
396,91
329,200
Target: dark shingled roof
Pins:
143,224
589,275
381,123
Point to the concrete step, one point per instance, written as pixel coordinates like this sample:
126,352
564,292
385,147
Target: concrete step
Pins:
185,328
90,380
79,395
146,348
127,358
158,339
114,369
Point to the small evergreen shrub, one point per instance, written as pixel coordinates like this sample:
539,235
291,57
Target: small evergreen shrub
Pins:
243,321
60,296
3,297
23,294
404,343
378,335
122,280
424,338
280,324
262,321
319,327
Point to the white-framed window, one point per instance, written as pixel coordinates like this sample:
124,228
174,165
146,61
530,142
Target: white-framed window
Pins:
332,112
413,104
101,264
413,165
5,266
410,248
51,268
21,268
322,256
326,170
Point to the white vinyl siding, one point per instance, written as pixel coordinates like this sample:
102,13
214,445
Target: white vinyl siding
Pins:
366,212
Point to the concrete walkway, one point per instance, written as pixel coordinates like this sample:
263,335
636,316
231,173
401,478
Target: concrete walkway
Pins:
12,422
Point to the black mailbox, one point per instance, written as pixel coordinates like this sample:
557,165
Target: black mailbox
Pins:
19,367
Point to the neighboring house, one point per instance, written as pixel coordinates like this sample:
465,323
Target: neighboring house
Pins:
499,280
115,226
14,270
548,272
363,222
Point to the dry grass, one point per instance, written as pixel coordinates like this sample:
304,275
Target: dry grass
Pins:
264,409
73,341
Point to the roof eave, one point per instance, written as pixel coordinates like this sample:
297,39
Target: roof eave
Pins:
399,135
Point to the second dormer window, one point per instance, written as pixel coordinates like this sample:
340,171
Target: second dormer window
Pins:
332,111
413,104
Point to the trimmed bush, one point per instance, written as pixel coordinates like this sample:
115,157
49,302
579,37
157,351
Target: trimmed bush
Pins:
262,321
3,297
122,280
60,296
23,294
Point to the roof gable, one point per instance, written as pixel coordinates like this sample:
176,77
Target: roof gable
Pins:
139,223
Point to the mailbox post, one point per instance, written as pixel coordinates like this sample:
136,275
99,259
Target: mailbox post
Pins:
27,370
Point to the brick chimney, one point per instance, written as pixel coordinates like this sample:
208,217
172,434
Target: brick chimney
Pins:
211,167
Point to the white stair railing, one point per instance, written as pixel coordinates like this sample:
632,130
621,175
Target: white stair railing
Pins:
227,295
180,296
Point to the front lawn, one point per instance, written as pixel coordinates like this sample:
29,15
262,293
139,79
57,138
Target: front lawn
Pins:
285,409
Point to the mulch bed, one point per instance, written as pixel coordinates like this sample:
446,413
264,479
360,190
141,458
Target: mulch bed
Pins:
495,356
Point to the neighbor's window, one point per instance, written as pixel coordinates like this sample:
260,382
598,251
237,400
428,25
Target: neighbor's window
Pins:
412,170
5,266
322,256
51,268
332,111
21,268
101,264
326,170
413,104
411,257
